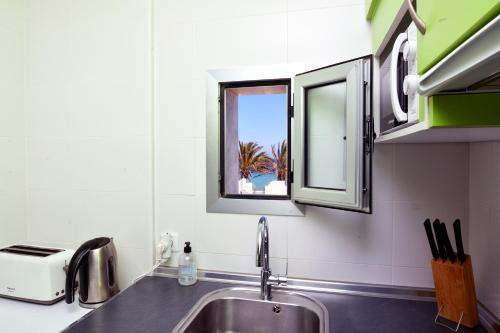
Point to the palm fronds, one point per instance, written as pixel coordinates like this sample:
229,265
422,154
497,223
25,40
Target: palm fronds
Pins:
253,160
280,164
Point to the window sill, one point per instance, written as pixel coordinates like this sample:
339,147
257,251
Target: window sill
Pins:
254,206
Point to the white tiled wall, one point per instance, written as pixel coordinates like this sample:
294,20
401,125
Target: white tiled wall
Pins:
484,216
89,172
12,221
411,182
88,124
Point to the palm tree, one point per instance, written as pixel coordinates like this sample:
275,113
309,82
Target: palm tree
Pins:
280,160
253,160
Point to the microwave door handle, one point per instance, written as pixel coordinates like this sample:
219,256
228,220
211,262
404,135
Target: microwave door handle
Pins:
396,107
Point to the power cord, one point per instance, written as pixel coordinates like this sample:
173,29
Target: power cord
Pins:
159,263
163,252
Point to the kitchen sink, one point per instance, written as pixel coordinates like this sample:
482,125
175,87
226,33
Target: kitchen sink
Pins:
242,310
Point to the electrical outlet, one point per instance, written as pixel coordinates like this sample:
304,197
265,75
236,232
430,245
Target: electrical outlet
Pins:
175,241
164,247
171,237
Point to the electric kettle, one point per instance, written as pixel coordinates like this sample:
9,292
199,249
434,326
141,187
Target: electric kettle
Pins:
95,260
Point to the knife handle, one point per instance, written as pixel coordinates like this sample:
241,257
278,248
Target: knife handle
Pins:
439,239
458,240
430,238
449,249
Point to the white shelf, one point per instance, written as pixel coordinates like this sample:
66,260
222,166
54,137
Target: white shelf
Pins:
419,133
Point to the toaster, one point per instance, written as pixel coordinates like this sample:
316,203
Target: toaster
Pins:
33,274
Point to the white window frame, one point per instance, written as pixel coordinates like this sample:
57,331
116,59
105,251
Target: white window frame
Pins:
354,73
216,203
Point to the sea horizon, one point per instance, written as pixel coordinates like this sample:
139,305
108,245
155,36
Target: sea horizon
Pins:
260,180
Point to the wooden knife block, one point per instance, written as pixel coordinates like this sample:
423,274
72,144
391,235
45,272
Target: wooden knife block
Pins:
455,292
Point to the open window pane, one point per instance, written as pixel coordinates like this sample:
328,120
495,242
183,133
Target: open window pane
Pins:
255,139
332,144
326,136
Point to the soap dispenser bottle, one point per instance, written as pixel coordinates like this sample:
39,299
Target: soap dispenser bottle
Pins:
188,272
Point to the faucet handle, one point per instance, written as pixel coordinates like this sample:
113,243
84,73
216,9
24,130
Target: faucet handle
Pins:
282,280
277,280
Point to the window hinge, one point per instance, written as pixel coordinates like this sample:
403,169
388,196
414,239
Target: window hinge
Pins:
369,135
291,177
291,111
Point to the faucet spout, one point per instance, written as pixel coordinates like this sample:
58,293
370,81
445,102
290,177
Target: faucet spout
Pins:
262,252
267,280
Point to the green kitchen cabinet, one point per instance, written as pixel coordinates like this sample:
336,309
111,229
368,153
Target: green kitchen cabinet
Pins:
443,117
452,118
381,14
466,110
448,24
368,8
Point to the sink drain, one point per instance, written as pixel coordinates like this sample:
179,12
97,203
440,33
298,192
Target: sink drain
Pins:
276,309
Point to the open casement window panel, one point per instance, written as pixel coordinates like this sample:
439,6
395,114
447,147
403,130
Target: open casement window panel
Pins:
333,136
329,138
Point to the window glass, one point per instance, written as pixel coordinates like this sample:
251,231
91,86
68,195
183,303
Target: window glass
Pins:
326,136
255,141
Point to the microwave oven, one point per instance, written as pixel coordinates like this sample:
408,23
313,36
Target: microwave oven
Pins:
399,99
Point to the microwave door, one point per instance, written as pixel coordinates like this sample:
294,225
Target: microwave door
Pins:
402,97
388,121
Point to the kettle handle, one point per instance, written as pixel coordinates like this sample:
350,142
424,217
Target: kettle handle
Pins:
79,257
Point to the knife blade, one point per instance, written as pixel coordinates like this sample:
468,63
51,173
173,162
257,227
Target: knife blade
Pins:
458,240
439,240
449,249
430,238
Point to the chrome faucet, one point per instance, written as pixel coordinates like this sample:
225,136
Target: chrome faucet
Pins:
267,280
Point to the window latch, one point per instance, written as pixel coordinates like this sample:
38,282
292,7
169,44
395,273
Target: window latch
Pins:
369,135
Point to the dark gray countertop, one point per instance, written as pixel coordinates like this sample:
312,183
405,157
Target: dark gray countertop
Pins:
157,304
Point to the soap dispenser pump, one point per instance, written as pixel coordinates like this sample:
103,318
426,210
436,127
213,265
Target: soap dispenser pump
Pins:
188,272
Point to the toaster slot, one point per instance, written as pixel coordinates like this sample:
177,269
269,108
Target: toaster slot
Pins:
36,248
30,250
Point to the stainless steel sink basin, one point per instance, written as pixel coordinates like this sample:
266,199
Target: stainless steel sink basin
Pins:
242,310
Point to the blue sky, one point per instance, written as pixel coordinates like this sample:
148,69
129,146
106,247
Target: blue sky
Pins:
262,119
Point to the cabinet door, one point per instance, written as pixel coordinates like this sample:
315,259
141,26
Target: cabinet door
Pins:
332,139
449,23
382,14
